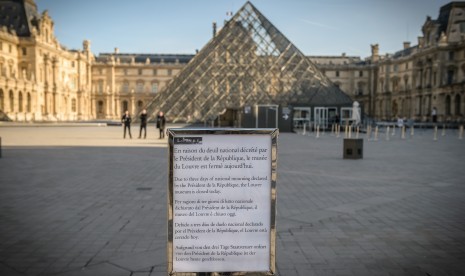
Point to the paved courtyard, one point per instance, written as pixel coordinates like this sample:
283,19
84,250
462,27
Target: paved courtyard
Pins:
80,200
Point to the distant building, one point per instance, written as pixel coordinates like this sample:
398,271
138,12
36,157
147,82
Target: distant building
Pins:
130,81
410,82
41,80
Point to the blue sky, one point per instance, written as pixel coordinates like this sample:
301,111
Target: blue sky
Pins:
328,27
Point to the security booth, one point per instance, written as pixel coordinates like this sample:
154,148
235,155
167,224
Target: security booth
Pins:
346,116
302,116
268,116
324,116
348,113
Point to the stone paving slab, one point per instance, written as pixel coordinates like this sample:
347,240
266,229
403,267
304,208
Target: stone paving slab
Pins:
79,206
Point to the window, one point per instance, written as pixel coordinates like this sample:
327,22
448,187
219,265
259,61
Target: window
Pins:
395,85
396,67
170,72
72,64
462,27
28,102
125,106
73,105
140,86
1,100
360,73
447,105
100,107
154,87
337,73
12,102
125,72
24,51
140,104
126,87
100,86
457,104
20,102
406,66
451,55
450,76
154,72
9,49
361,87
140,71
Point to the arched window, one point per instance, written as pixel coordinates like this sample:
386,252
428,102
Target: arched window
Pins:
447,105
28,102
100,107
73,105
12,102
1,100
125,106
457,104
20,102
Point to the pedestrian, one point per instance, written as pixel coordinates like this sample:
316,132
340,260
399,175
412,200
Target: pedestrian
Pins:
400,122
126,120
434,115
161,124
143,123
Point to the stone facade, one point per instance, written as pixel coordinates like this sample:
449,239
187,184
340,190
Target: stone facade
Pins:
130,81
414,80
40,80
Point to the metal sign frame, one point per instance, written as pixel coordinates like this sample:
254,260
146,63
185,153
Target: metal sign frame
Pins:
194,132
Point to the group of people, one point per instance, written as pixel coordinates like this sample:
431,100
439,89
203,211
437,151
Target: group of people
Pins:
126,120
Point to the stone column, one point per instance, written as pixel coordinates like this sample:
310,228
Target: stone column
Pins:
54,91
46,85
112,87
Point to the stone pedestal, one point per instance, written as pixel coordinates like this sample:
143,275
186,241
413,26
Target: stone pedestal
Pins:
353,148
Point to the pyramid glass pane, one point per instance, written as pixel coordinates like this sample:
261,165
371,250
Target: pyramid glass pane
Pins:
248,62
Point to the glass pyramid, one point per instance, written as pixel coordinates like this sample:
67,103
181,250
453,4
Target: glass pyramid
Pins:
248,62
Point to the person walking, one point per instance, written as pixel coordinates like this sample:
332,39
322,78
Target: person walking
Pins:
126,120
434,115
143,123
161,124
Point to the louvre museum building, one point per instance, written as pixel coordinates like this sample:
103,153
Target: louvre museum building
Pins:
247,75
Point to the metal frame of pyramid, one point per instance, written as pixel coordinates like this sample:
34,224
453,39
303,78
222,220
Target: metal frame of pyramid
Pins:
248,62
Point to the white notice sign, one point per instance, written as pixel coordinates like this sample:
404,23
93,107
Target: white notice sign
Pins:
221,203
